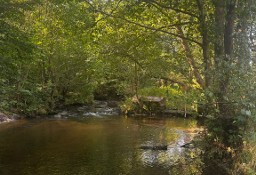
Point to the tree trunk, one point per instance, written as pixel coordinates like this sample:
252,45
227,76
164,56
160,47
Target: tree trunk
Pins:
224,30
225,133
190,58
205,42
136,80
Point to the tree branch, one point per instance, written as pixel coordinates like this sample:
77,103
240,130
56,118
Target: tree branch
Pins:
174,9
153,28
160,29
191,59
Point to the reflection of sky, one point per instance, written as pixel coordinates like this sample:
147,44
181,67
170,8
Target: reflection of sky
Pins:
165,158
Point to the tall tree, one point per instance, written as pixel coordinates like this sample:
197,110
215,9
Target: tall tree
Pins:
15,49
207,32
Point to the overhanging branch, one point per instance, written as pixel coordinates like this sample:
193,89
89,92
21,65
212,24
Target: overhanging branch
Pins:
160,29
174,9
154,29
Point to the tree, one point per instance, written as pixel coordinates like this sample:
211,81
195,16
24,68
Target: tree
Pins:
213,33
67,62
15,49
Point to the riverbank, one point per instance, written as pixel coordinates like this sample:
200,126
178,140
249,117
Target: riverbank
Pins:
4,117
97,109
115,108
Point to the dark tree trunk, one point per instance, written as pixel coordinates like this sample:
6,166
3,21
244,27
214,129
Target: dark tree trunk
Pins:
223,129
224,31
205,42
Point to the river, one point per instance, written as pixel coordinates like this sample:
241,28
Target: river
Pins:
92,146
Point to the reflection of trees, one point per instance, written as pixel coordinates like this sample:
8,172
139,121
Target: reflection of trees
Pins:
169,157
174,134
92,147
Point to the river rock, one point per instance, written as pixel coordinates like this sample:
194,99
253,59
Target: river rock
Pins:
5,118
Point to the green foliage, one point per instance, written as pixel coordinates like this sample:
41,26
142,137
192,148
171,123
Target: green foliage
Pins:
230,130
61,62
63,52
176,97
244,85
16,49
128,105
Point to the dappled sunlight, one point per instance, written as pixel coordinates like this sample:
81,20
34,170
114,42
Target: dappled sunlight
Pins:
75,67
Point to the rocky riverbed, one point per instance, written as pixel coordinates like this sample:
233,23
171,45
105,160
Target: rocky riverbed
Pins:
97,109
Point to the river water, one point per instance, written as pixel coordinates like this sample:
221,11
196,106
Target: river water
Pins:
92,146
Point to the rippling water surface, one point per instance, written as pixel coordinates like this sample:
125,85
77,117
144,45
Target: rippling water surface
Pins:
91,146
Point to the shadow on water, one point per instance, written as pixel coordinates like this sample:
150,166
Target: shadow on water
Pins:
106,145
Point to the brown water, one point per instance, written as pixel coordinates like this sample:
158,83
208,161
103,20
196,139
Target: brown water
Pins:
92,146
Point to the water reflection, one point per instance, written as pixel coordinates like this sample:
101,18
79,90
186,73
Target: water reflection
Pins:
171,156
91,146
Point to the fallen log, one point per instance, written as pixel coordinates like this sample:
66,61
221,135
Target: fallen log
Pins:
153,147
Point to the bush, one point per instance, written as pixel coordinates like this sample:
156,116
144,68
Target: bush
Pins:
176,97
